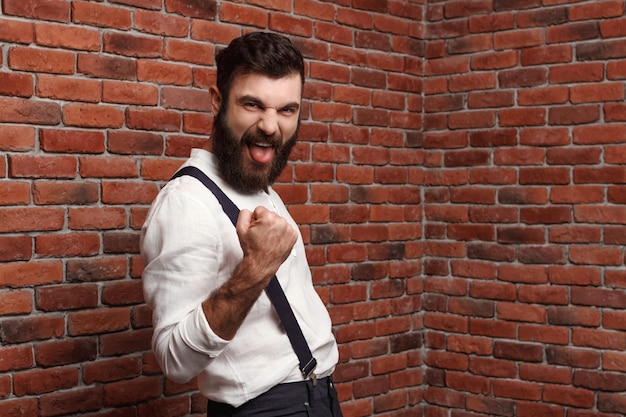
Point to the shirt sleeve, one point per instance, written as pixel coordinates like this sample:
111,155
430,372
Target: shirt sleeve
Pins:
180,248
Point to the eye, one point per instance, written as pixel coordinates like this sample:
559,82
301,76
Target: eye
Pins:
289,110
252,105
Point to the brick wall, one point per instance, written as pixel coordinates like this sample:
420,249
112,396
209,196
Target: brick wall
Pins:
100,102
524,217
460,181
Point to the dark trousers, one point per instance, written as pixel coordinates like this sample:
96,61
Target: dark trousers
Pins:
296,399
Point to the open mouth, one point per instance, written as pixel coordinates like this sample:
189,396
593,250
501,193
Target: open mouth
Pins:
260,152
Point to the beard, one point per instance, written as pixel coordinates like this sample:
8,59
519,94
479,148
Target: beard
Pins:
228,151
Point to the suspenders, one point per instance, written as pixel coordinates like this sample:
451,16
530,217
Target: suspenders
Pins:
273,290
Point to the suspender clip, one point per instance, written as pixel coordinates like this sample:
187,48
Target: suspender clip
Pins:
307,370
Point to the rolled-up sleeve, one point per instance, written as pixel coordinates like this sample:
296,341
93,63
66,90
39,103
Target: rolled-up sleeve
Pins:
180,249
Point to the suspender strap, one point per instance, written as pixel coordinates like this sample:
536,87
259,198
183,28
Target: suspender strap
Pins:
273,290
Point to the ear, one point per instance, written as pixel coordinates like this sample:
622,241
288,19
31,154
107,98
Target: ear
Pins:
216,99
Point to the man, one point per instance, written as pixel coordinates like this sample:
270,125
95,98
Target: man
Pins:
204,279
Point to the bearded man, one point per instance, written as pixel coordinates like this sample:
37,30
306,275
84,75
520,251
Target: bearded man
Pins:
205,279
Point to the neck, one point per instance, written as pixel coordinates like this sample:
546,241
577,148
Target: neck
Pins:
208,145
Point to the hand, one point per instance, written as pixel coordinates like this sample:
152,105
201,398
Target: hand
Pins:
266,239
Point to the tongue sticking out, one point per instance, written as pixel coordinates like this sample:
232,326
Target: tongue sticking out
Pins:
261,154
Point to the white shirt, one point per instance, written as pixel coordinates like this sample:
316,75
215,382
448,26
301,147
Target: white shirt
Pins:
190,248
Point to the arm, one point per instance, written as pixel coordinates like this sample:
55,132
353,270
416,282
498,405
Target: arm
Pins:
266,240
193,306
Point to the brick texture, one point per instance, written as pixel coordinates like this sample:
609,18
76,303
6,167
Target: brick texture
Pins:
521,101
460,183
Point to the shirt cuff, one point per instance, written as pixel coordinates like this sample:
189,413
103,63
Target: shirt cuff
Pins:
199,333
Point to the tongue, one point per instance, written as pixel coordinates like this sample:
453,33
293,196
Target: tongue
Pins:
260,154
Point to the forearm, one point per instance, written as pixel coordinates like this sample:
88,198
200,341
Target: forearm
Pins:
229,305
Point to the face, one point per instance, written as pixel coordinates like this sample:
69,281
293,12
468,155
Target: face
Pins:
254,132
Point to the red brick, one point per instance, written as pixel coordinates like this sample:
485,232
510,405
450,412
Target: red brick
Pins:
197,123
16,84
492,290
15,302
616,279
106,66
40,381
541,333
66,297
469,345
612,403
123,92
390,401
32,273
68,351
524,274
572,357
598,297
595,255
467,382
122,293
159,169
206,10
93,115
492,328
31,329
571,32
601,339
518,313
528,409
310,214
446,360
69,402
60,192
488,405
605,9
573,115
53,10
60,36
571,396
602,381
614,361
98,321
17,31
120,343
192,52
41,60
435,395
156,23
15,248
97,218
164,73
71,141
68,244
27,407
29,111
517,389
129,45
236,13
128,192
163,120
101,15
573,316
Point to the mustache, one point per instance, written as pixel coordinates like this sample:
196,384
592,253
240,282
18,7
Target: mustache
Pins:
257,136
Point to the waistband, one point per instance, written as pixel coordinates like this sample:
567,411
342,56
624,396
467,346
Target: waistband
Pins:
291,394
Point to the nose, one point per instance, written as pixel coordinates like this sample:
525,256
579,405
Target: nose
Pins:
268,123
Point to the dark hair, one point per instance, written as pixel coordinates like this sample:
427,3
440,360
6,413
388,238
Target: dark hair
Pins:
259,53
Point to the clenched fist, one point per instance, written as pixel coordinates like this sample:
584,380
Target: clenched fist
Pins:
266,239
